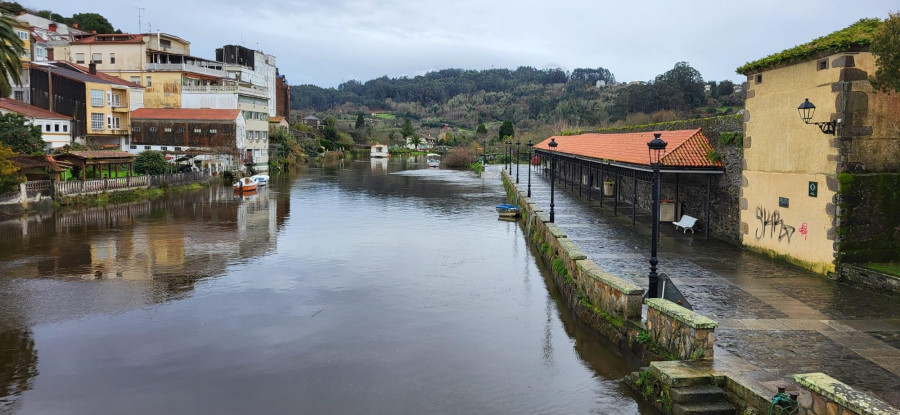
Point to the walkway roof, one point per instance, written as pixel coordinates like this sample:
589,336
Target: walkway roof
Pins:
685,149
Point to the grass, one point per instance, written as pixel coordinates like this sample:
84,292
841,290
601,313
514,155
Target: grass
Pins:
385,116
892,268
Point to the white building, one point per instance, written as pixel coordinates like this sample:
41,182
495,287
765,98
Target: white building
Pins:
56,129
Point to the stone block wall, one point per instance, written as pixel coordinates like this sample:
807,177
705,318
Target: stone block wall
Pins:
832,397
615,296
683,333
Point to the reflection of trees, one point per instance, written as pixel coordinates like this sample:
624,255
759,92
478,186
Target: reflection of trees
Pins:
18,366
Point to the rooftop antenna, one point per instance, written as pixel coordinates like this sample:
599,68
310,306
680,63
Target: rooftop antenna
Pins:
139,9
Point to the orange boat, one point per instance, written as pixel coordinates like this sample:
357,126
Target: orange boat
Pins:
245,184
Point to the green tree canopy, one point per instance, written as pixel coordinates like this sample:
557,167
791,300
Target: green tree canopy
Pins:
360,121
406,130
91,22
17,134
12,7
886,48
150,162
11,48
506,130
481,130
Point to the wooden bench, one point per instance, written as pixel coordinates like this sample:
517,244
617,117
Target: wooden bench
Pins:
686,222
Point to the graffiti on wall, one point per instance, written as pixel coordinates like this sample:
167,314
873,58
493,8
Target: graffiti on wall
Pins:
770,224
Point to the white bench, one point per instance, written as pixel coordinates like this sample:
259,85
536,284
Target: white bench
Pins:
686,222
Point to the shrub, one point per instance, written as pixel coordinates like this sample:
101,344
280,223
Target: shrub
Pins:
459,157
150,162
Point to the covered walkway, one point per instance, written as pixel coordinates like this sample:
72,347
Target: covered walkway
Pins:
775,320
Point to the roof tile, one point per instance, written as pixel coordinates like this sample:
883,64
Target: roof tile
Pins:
30,110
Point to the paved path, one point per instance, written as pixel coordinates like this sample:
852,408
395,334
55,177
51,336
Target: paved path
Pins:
775,320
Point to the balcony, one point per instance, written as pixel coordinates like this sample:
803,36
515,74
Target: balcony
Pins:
120,108
256,91
183,67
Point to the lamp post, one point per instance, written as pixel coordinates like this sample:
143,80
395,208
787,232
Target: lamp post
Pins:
552,146
807,109
484,161
517,160
506,162
529,166
656,147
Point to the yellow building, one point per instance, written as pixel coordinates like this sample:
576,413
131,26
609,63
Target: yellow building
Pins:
789,196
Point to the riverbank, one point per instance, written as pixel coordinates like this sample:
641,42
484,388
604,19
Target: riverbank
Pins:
128,196
768,329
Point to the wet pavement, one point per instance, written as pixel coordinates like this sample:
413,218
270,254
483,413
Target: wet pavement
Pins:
775,320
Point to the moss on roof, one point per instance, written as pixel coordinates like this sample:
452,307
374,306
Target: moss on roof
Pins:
857,34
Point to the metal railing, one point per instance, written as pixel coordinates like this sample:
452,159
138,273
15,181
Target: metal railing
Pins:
184,67
131,182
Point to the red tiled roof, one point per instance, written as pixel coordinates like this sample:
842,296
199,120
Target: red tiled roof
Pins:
108,38
277,118
185,114
31,111
30,162
686,148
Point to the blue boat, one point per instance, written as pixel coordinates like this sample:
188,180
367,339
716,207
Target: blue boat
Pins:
507,210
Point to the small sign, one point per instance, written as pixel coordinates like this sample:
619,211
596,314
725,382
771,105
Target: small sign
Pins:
813,189
783,202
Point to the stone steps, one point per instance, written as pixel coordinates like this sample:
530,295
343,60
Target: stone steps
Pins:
697,394
709,408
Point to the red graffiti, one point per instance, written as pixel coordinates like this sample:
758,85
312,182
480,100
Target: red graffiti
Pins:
803,230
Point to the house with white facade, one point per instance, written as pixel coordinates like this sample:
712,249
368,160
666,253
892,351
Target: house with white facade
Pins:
56,129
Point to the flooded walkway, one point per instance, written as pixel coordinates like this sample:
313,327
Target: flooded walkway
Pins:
775,320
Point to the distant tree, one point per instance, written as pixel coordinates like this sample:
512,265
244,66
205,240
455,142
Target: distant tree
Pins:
360,121
91,22
506,130
415,141
12,7
680,88
17,134
886,48
9,172
406,130
11,48
150,162
726,88
481,130
330,122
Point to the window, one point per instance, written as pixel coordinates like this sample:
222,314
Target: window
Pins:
149,82
213,131
96,98
165,44
822,64
19,95
163,148
113,123
181,130
46,128
136,129
152,129
79,58
115,100
96,121
265,135
198,130
56,128
96,58
177,148
112,58
22,35
135,79
146,147
65,127
134,147
167,130
759,78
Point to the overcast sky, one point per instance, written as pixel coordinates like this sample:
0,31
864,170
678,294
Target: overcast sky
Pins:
326,42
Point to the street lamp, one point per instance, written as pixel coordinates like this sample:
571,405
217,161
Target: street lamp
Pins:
807,109
529,166
484,161
656,148
506,164
552,146
517,160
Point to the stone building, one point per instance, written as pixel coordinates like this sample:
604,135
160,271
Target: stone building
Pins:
796,175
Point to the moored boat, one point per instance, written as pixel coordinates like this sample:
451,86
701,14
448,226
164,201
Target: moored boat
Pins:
433,160
379,151
508,211
261,179
245,184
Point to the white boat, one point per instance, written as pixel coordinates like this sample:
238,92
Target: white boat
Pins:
434,160
260,179
245,184
379,151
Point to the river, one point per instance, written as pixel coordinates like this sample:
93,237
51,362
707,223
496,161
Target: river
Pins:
356,287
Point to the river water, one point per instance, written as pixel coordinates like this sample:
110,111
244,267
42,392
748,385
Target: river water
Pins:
358,287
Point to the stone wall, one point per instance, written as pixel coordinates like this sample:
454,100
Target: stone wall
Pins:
869,229
869,278
832,397
682,332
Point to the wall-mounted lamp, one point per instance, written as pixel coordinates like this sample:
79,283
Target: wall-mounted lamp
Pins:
807,109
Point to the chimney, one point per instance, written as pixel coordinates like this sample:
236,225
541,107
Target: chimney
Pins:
92,68
52,27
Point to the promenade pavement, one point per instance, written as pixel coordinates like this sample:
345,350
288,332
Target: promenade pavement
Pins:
775,320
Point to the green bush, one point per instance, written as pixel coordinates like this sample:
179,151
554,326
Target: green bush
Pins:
150,162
